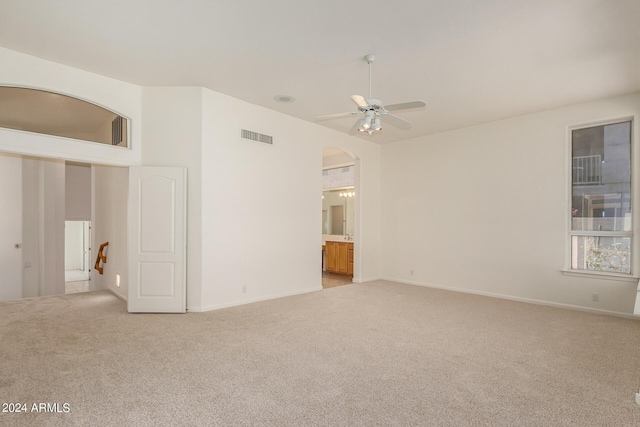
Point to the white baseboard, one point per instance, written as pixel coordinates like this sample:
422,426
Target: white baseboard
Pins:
252,300
368,279
118,294
514,298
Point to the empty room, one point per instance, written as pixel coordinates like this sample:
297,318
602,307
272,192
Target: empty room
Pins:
473,167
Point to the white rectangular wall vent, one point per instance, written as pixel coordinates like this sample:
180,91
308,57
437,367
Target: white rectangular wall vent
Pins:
255,136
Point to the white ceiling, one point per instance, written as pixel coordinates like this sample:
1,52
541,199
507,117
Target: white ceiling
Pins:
471,61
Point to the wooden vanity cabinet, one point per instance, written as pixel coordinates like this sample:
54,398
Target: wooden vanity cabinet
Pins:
330,253
339,257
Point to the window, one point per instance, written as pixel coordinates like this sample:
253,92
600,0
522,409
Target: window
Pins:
49,113
601,229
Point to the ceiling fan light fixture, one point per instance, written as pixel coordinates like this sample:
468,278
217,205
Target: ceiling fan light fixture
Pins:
377,126
367,121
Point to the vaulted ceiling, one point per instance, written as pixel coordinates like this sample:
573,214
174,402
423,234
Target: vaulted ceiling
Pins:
471,61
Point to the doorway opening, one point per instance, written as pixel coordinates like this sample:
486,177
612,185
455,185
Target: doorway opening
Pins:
77,256
339,213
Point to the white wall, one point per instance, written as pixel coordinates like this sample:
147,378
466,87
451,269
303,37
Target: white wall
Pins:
174,135
261,205
78,192
484,209
252,241
10,227
109,224
73,245
23,70
339,159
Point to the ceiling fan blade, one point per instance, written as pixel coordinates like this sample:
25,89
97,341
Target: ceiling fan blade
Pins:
360,101
337,116
396,121
405,106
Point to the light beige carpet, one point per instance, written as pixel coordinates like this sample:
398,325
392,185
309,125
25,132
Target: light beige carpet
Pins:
370,354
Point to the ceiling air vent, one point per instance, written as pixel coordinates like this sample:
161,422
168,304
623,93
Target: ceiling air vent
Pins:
255,136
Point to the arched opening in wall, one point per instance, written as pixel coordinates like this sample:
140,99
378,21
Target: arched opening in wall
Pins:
340,214
50,113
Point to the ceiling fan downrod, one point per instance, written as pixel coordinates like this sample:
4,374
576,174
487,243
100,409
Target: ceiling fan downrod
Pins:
370,58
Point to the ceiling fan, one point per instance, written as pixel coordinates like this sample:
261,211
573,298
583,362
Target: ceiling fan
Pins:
374,111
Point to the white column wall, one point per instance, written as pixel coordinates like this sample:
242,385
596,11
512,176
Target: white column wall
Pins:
32,234
173,137
52,227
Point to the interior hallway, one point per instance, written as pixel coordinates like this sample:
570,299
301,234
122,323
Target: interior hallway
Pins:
76,281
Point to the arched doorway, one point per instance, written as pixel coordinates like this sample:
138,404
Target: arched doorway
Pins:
340,211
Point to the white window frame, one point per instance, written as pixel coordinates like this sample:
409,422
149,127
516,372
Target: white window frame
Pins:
568,270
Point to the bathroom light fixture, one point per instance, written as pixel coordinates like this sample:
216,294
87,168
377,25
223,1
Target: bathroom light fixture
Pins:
348,194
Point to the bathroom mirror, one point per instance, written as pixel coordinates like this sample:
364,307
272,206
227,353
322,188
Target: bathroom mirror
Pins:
338,211
49,113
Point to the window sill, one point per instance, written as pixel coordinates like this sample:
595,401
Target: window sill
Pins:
602,275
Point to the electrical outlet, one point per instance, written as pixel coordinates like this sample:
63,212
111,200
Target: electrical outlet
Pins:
410,272
595,297
638,398
244,289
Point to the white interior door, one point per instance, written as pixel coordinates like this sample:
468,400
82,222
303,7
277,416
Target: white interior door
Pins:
157,239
